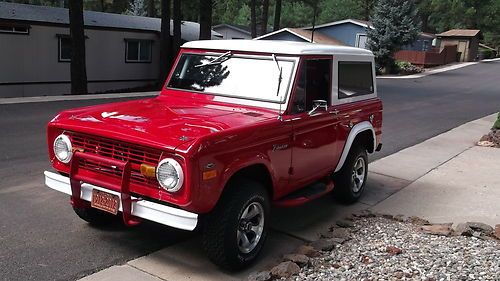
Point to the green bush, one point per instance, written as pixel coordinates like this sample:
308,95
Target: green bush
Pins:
486,54
404,67
496,125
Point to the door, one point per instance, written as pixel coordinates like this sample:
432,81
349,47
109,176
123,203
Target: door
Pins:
462,49
314,135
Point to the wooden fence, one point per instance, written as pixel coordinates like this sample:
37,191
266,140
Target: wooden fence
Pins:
431,58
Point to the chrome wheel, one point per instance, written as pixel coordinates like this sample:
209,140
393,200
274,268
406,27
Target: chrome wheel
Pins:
250,227
358,174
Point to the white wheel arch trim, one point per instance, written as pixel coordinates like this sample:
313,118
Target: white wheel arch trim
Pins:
358,128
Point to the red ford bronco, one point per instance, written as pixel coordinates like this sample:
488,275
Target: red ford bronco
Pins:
240,126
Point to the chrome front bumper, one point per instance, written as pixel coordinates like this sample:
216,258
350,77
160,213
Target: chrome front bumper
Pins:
143,209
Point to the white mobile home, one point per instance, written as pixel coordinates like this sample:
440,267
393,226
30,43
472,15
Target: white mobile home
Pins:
122,51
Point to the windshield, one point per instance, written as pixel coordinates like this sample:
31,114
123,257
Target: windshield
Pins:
233,76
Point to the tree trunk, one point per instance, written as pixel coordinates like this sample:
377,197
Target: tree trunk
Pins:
151,9
165,41
265,17
277,15
177,26
77,34
205,19
253,18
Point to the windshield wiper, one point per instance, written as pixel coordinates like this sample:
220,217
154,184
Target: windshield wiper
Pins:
218,60
280,69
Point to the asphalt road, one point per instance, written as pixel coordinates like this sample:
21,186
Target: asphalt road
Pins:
42,239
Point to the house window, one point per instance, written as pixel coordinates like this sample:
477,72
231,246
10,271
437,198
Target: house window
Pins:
64,48
355,79
425,45
138,50
14,28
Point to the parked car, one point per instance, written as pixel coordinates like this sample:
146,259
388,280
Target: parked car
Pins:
240,126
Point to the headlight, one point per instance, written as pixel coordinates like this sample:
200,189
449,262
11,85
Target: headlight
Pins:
63,149
169,175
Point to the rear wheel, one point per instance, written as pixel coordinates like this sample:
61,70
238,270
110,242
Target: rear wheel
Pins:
235,231
351,179
95,217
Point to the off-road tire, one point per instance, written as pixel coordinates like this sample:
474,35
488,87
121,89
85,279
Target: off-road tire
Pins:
344,189
94,216
221,225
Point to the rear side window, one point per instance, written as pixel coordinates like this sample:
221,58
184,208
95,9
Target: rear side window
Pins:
355,79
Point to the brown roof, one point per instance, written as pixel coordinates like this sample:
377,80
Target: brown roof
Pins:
460,33
319,37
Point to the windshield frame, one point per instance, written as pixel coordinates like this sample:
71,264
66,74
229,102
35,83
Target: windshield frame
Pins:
252,101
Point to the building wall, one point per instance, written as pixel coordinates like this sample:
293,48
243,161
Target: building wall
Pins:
472,46
346,33
30,65
229,33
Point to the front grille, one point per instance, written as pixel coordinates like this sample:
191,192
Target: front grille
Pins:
135,154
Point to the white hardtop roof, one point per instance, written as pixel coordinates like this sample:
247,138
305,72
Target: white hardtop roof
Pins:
276,47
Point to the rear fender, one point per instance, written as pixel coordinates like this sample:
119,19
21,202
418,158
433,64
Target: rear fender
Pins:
355,131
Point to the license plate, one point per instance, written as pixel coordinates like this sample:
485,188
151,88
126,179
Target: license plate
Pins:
105,201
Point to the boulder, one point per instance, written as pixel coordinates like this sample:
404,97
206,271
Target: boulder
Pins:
300,259
326,244
285,270
345,223
260,276
392,250
437,229
497,231
308,251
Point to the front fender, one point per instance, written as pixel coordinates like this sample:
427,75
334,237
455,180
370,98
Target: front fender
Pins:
211,190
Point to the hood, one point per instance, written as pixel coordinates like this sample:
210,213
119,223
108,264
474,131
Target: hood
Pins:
158,122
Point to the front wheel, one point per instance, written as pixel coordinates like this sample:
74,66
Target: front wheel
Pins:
236,229
351,179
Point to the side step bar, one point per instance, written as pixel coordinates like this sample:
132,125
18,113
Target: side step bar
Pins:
305,195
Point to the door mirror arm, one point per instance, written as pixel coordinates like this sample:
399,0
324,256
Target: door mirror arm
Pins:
317,105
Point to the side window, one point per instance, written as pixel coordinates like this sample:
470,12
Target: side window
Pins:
314,83
138,50
355,79
64,48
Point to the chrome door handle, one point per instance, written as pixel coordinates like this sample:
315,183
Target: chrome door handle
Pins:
335,111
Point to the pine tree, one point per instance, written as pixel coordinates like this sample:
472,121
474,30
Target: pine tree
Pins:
395,24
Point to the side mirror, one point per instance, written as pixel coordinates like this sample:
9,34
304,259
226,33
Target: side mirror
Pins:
317,105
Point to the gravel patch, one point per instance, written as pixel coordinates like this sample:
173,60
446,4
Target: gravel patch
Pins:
385,249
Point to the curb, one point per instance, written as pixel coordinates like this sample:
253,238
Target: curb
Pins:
438,70
75,98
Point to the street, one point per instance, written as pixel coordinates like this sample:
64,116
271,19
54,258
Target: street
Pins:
42,239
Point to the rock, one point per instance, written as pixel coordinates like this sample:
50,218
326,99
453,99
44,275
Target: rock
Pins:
260,276
497,231
481,227
364,214
437,229
400,218
485,143
326,244
300,259
285,270
345,223
308,251
399,274
417,221
342,233
393,250
463,229
387,216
